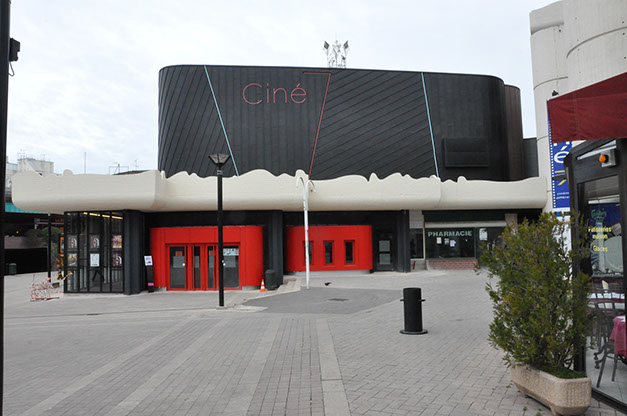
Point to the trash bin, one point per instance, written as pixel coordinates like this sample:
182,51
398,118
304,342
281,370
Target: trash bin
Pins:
412,306
12,269
270,279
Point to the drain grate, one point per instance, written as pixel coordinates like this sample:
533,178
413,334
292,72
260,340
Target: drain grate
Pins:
338,299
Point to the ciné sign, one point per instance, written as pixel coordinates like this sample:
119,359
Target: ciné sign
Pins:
255,93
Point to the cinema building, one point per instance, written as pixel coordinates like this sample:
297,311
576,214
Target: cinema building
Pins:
408,170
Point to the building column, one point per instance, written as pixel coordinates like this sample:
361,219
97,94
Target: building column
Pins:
274,248
402,242
133,260
548,55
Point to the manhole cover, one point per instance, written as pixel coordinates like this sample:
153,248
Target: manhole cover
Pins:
338,299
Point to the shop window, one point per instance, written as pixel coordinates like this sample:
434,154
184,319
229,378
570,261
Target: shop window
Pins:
450,243
385,251
328,252
348,250
415,243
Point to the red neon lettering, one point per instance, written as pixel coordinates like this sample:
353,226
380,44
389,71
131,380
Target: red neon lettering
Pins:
244,93
274,91
298,92
298,95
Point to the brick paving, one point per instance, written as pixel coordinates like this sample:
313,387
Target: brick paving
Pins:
332,350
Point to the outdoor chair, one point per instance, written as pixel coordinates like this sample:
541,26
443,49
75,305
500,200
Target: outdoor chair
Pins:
605,324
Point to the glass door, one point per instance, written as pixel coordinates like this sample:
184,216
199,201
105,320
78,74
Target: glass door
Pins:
177,267
190,271
231,267
383,248
212,271
194,254
606,361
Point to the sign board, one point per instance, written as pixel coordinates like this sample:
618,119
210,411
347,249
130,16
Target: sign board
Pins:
94,260
231,251
148,260
559,188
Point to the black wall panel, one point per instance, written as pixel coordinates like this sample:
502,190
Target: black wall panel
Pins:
515,146
468,119
133,263
372,122
530,148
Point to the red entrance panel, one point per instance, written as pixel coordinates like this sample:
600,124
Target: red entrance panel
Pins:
184,258
341,247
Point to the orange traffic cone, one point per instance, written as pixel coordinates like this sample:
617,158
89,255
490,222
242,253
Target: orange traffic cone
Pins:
263,286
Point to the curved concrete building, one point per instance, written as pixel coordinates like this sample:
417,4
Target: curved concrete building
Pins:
574,43
577,46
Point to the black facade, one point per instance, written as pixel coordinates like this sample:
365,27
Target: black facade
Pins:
354,121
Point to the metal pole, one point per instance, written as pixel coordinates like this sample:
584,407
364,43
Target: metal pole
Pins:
306,222
220,242
49,246
306,213
5,9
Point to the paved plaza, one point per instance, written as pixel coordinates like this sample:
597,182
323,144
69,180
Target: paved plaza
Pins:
334,349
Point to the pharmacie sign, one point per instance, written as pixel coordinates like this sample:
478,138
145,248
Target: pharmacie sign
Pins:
449,233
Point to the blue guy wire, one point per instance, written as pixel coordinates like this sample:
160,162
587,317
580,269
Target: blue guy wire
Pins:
424,88
221,122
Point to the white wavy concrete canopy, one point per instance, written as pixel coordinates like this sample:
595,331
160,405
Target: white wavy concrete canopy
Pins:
151,191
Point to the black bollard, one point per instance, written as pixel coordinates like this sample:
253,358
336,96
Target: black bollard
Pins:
412,299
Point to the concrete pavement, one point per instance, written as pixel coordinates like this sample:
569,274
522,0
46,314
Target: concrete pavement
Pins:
332,350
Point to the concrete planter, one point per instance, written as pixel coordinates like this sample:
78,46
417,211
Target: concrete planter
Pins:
562,396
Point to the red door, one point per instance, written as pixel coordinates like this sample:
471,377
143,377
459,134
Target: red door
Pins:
194,267
186,267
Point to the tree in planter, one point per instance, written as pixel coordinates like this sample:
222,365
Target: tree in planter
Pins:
540,305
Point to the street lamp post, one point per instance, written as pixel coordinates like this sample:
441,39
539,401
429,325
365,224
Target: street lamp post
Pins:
49,246
306,186
219,160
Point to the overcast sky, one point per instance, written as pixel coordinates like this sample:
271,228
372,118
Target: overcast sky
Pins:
86,79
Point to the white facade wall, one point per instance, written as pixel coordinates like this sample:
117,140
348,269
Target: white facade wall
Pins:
574,43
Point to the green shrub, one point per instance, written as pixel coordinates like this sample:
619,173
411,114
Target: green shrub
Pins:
540,306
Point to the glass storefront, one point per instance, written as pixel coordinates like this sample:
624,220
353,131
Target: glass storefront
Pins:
459,243
606,361
452,243
93,252
598,191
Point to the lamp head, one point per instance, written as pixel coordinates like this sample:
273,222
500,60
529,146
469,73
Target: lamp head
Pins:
219,159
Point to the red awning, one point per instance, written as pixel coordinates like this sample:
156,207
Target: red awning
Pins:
598,111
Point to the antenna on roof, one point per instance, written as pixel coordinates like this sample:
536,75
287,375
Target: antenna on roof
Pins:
336,54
